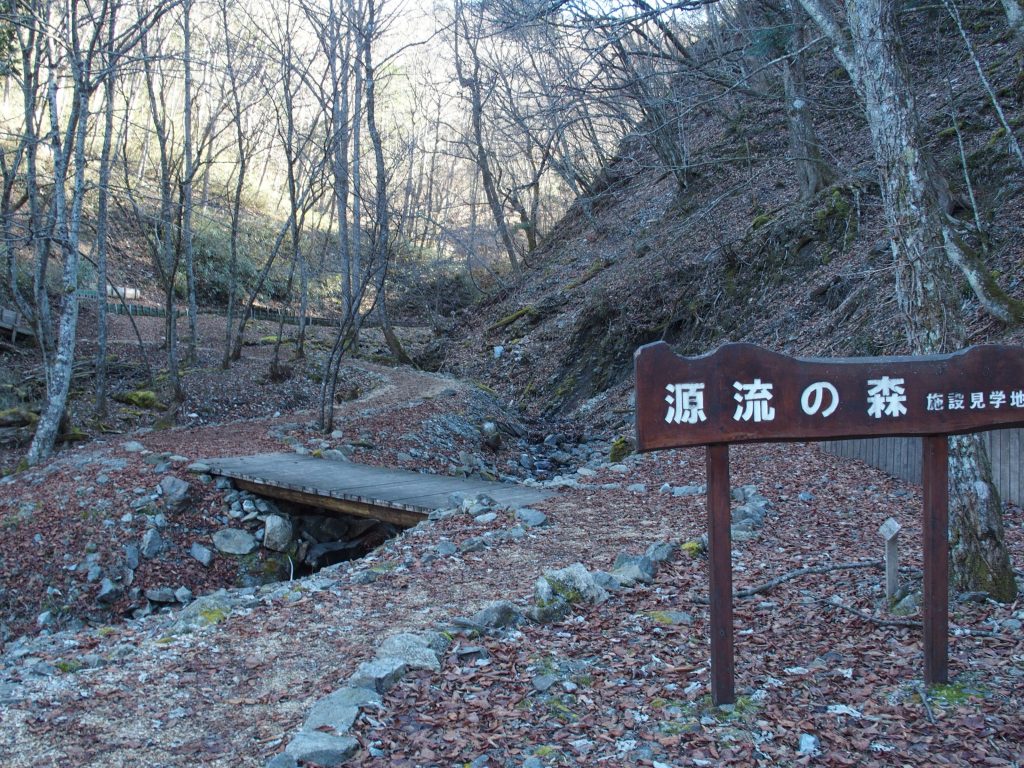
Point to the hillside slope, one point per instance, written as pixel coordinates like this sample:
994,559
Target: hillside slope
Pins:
737,256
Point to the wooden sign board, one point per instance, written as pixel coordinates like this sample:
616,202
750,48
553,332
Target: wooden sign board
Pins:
742,393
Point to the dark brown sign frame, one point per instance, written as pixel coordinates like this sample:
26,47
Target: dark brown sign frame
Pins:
743,393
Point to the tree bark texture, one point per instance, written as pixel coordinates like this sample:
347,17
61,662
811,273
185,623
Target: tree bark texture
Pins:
924,248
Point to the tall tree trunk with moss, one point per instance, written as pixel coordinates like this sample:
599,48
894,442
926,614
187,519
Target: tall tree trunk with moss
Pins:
926,254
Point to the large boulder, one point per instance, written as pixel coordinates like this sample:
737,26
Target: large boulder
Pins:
277,533
234,541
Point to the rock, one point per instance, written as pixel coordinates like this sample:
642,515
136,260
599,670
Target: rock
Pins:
378,675
491,435
542,683
278,533
487,517
94,574
573,583
909,605
183,595
203,612
808,744
636,488
413,650
339,710
630,569
44,619
234,541
321,748
133,446
175,493
201,553
109,592
161,595
689,490
805,496
474,544
198,468
662,552
282,761
445,548
152,544
131,556
531,518
498,615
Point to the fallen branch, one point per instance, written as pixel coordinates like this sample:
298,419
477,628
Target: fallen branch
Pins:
811,571
907,623
789,576
923,693
954,630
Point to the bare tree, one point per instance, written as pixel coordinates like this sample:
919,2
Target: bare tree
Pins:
927,253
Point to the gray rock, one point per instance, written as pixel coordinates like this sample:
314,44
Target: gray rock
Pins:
909,605
542,683
234,541
109,592
131,556
175,493
413,650
498,615
201,553
487,517
808,744
339,710
278,533
161,595
630,569
445,548
44,619
183,595
321,748
198,468
152,544
282,761
474,544
636,488
133,446
94,574
572,583
203,612
378,675
689,490
491,435
531,518
662,552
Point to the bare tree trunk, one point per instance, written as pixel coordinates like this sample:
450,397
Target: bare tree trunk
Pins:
66,230
186,190
813,173
102,217
472,83
926,289
236,200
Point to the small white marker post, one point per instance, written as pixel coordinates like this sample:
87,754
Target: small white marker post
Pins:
890,530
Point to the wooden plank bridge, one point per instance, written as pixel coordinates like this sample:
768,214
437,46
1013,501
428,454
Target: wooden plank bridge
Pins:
15,324
392,495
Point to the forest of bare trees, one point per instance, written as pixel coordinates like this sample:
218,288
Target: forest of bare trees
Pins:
324,147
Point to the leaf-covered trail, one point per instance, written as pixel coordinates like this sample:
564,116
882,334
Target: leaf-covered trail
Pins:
625,682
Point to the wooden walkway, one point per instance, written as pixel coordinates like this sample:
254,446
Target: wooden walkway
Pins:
14,323
392,495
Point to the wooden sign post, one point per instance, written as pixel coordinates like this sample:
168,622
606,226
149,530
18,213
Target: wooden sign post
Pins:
742,393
